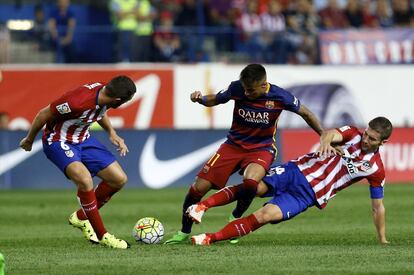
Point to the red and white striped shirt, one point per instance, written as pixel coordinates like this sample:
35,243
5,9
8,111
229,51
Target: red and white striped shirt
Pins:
328,175
75,111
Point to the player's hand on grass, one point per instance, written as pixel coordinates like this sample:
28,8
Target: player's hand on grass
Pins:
119,142
196,96
26,144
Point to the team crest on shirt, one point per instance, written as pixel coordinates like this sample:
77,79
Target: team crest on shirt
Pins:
269,104
69,153
365,166
63,108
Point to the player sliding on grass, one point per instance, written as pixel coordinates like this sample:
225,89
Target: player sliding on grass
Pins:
250,142
311,180
67,143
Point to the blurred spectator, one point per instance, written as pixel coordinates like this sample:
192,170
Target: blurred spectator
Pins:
333,17
145,17
220,15
369,19
278,47
124,18
190,19
321,4
62,23
384,14
353,13
403,13
166,42
40,32
251,28
303,23
4,121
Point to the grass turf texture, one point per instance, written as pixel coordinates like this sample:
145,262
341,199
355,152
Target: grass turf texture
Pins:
36,239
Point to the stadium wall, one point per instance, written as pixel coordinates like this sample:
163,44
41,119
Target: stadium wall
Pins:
337,95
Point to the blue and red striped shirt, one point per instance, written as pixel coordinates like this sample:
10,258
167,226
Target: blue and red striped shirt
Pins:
255,121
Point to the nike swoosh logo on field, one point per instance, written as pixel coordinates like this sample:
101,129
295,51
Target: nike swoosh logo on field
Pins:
157,173
13,158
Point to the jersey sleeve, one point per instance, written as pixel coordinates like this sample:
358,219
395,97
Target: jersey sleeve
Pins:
290,102
62,106
348,132
225,95
69,104
376,184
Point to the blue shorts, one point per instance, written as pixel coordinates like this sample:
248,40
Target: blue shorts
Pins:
290,190
91,153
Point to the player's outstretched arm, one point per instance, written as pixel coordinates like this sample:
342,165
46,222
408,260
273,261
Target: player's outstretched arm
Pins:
113,136
310,119
39,121
378,215
207,100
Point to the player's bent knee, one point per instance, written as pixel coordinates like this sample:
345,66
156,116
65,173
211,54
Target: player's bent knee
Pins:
269,213
121,181
201,186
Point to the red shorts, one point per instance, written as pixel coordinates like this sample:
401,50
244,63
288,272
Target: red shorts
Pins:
230,159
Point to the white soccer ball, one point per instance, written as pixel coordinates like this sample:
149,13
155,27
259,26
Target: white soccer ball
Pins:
148,230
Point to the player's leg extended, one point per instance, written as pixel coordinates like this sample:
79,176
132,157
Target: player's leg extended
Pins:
197,190
251,178
241,227
214,173
113,179
224,196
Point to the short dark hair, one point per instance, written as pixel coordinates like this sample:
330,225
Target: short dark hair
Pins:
381,125
121,86
252,73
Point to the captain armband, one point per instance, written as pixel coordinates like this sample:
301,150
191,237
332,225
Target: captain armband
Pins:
376,192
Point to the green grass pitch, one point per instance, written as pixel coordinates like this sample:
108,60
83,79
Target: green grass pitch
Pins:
35,237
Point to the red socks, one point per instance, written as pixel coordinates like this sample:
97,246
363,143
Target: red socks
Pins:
103,193
222,197
90,208
236,228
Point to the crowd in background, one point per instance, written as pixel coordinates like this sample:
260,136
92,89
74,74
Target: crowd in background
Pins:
269,31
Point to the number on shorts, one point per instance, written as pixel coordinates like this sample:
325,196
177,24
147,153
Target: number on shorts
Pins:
213,159
276,170
64,146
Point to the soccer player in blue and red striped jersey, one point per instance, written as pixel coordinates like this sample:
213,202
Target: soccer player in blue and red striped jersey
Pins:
68,144
250,142
311,180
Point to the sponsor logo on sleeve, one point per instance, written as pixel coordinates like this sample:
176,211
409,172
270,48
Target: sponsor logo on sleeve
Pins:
63,108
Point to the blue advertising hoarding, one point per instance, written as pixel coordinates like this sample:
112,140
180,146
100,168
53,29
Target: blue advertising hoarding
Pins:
157,159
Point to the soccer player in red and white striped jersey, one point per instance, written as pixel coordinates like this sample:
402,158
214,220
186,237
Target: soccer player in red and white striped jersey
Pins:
311,180
68,144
